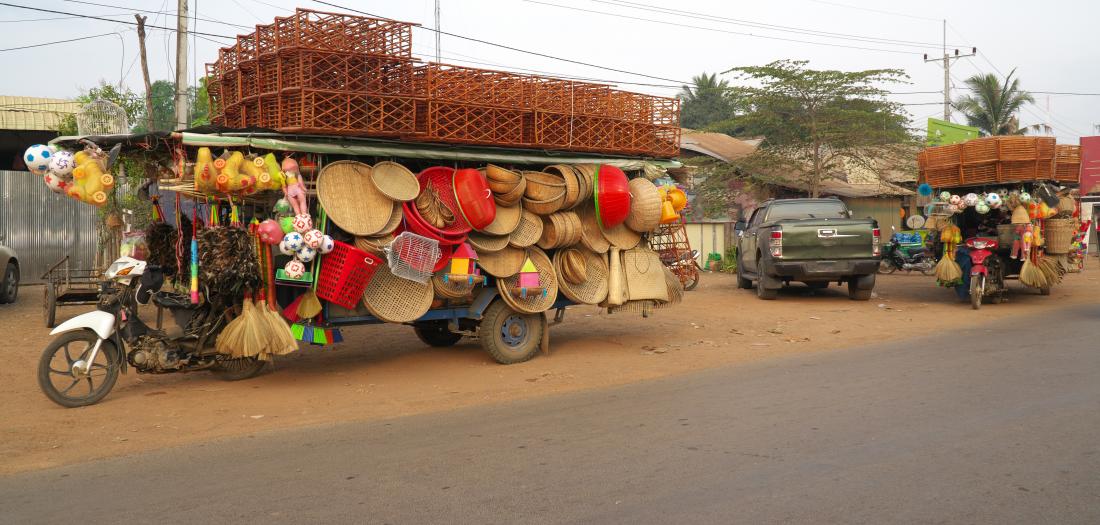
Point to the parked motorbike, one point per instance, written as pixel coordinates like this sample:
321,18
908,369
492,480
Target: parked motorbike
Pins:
987,271
897,256
80,366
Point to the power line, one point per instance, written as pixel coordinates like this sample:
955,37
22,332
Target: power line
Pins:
193,17
90,17
510,48
56,42
701,28
763,25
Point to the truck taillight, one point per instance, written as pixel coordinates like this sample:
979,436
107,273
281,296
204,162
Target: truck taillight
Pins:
876,242
776,243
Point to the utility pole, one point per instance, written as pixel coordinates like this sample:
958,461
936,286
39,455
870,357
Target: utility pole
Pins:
437,34
181,66
145,72
947,71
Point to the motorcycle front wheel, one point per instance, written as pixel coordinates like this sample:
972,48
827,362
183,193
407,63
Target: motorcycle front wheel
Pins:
927,268
67,377
886,267
977,290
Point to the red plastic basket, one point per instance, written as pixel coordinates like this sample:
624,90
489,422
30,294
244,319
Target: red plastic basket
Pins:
345,272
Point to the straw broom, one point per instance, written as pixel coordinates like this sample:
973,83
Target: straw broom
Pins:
1031,275
280,340
948,272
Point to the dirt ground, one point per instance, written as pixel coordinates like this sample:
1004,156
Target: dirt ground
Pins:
385,371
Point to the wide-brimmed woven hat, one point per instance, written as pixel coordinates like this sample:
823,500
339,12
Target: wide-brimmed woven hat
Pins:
351,200
396,300
533,303
528,232
395,181
591,288
374,245
502,263
645,206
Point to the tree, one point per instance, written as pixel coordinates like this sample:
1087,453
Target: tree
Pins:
705,101
129,101
993,105
818,122
200,104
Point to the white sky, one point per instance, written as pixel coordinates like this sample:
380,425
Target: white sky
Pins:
1052,44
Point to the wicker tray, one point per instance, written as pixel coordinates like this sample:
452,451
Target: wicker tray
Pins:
533,303
503,263
395,181
351,200
396,300
593,290
528,232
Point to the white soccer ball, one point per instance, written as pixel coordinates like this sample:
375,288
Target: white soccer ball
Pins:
293,241
993,200
62,164
55,183
327,244
303,223
307,254
37,158
971,199
313,238
294,269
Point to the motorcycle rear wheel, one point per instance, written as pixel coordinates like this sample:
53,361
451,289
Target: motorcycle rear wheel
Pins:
977,290
56,364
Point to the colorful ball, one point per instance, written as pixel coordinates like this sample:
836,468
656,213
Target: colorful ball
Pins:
1025,197
993,200
303,223
307,254
327,244
270,232
282,207
285,249
62,163
294,269
945,196
981,207
287,224
294,241
953,208
37,158
55,183
955,200
313,238
971,199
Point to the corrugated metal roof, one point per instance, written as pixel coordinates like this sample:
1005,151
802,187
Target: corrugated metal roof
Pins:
33,113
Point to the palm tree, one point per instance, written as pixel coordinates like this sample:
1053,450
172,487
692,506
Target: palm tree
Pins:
704,101
992,105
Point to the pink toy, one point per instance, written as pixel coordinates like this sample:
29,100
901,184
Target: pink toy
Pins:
270,232
1021,243
295,189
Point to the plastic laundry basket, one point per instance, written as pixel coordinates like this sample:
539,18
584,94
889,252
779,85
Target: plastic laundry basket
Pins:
345,272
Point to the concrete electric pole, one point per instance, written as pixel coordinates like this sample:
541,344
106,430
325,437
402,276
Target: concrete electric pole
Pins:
947,71
438,51
182,109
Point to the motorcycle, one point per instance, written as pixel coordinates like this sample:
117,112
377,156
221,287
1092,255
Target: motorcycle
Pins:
987,271
897,256
92,348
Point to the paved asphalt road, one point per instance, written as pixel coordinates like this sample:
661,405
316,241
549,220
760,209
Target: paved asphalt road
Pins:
998,424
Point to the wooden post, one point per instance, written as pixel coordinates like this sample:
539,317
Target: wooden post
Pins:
145,72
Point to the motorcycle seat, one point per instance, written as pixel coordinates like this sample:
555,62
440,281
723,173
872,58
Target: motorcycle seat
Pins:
174,301
917,250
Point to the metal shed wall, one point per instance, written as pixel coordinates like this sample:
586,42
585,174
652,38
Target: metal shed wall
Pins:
44,227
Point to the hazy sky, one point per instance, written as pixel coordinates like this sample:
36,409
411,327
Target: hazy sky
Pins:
1051,44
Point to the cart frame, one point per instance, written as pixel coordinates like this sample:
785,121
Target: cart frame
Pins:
67,286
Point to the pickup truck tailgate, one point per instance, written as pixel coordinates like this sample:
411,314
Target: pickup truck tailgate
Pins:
833,239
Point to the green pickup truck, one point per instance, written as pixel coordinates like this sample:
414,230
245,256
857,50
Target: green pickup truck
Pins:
814,241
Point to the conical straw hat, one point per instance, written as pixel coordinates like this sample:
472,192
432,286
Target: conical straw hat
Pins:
1020,216
645,206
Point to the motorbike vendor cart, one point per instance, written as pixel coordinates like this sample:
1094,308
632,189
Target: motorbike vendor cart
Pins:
1003,209
67,286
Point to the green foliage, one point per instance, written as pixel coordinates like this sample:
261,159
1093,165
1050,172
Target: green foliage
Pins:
129,101
200,104
992,105
817,122
729,262
705,102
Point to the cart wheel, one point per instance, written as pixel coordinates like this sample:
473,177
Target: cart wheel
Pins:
49,305
509,336
436,334
692,278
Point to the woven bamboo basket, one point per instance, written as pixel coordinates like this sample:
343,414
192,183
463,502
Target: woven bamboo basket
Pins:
1059,235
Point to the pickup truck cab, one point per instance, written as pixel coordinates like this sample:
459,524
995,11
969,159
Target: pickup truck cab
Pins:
813,241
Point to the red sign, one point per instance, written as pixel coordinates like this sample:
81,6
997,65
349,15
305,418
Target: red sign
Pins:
1090,165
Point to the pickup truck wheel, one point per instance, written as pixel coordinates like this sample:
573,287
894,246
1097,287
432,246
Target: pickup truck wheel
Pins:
764,292
742,282
857,294
509,336
436,333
